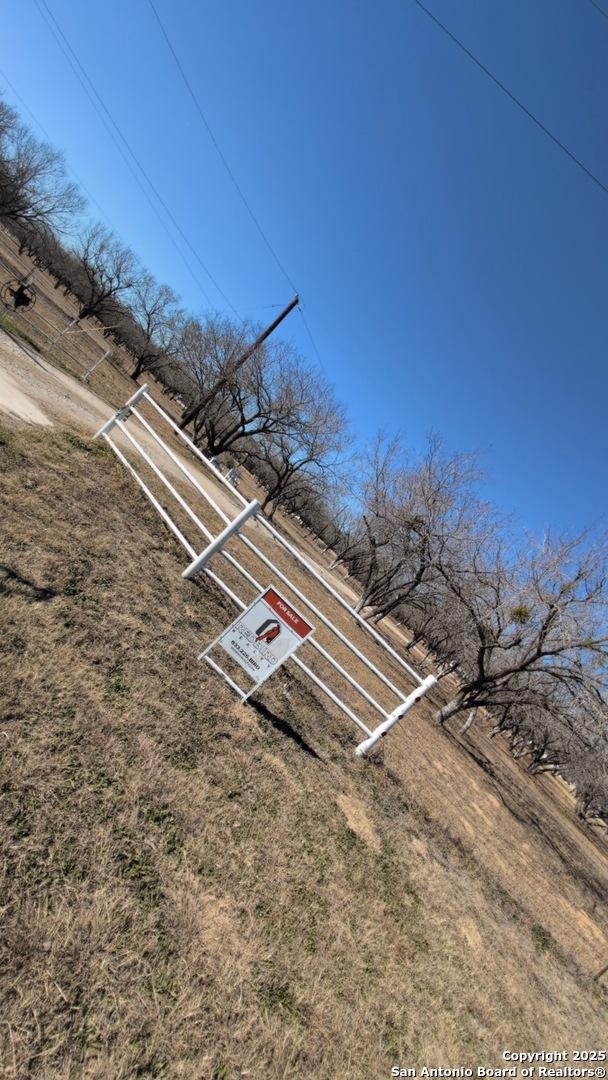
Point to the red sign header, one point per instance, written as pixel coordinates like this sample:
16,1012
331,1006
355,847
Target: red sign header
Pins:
286,613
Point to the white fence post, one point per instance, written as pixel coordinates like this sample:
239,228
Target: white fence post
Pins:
364,747
217,544
87,374
65,331
122,413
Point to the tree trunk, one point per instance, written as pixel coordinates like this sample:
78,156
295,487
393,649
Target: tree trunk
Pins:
189,415
417,638
468,722
454,706
498,730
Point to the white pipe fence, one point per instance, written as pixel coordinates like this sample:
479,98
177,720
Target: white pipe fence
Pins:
233,528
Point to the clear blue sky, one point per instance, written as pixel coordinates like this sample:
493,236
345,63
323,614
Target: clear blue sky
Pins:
451,260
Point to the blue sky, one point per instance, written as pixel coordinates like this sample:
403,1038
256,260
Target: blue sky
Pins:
451,259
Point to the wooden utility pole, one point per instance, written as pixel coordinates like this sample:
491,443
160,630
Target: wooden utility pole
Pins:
194,410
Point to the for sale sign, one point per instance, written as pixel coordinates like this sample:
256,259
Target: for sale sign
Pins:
265,635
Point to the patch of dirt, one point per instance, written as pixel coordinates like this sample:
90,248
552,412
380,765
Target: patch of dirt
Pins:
18,405
356,816
41,384
471,935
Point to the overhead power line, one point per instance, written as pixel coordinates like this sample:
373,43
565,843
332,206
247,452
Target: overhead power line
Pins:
520,104
309,332
219,150
99,104
227,167
599,8
91,93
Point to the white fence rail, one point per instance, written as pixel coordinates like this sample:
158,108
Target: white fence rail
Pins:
199,561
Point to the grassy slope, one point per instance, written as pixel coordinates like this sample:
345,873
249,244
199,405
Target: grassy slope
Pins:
195,889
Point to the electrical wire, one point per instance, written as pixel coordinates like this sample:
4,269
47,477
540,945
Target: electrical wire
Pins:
599,8
113,130
134,174
219,150
226,164
513,98
309,332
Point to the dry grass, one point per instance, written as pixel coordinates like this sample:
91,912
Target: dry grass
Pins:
191,888
195,889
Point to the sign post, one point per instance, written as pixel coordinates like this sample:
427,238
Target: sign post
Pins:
261,639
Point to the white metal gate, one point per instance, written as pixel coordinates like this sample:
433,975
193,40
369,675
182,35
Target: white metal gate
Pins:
199,561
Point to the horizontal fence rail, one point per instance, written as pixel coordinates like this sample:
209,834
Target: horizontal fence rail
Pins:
215,547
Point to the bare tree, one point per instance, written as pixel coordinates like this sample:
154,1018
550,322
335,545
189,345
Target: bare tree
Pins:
51,255
209,352
152,328
338,526
587,770
410,509
293,461
262,397
34,189
107,271
535,637
348,544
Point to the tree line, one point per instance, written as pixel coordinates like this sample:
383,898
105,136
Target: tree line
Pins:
519,624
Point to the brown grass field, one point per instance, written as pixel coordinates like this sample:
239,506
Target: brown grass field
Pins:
194,888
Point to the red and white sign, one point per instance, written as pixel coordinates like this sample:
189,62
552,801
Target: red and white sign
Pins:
264,635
